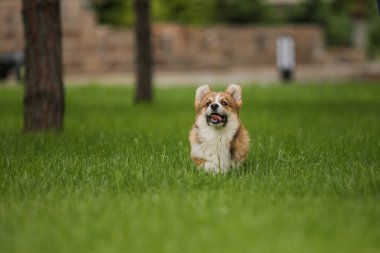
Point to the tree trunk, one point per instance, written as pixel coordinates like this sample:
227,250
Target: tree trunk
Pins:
44,93
144,51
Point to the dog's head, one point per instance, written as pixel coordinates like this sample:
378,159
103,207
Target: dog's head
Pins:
218,108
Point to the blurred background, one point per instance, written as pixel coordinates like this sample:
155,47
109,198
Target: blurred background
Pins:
213,41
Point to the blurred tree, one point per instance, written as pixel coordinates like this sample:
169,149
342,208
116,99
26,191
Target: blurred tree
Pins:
44,94
144,51
335,16
197,12
115,12
241,11
332,15
374,31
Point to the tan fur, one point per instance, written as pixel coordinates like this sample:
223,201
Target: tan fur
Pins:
217,148
198,161
240,145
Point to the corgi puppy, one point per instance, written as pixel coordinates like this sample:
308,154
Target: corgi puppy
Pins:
218,139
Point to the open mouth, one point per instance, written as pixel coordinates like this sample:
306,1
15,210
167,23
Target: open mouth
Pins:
216,118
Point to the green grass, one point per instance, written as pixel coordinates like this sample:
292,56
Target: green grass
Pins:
119,179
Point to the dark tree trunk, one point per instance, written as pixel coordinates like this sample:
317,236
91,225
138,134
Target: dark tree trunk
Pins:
144,51
44,94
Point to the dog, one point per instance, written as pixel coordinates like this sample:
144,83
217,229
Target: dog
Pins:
218,139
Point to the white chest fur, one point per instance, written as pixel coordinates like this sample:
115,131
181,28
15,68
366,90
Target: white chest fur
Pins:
215,144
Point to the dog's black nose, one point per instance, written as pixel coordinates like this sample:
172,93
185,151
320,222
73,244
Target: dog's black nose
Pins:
214,107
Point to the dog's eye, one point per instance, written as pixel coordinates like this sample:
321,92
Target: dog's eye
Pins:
208,103
224,103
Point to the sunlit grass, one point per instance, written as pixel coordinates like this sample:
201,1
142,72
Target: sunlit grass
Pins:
119,178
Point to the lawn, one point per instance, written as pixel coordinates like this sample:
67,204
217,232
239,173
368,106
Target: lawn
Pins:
119,178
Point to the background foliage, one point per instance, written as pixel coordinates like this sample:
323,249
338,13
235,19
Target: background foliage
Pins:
335,16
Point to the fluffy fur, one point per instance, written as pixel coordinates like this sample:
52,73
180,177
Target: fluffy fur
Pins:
218,139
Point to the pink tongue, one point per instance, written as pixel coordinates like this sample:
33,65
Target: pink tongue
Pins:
216,118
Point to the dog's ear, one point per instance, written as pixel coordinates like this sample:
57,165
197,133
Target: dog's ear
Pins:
235,91
200,93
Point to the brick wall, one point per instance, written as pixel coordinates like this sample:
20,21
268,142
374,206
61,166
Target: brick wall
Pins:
90,48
